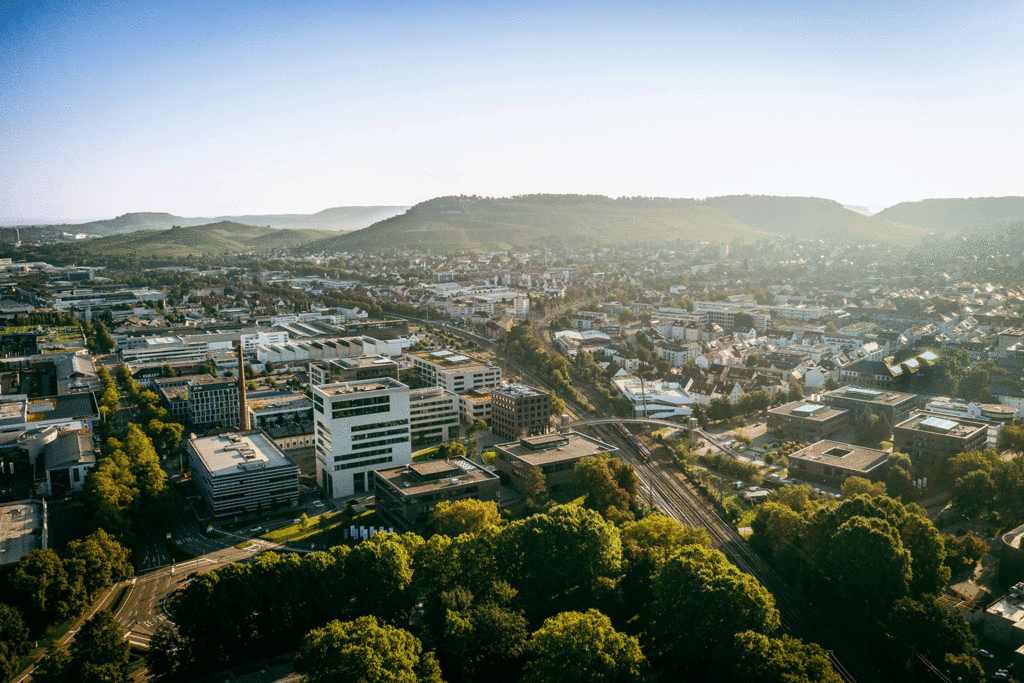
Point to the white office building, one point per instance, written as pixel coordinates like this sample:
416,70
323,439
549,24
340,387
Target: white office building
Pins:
361,426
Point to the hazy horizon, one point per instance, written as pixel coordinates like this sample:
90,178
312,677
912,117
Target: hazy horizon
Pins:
261,108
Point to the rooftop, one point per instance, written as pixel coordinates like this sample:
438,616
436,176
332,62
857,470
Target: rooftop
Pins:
942,424
231,453
426,476
20,527
548,448
871,395
843,455
519,391
808,410
378,384
450,359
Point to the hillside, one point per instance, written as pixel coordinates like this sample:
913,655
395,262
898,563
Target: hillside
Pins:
454,223
957,216
342,218
214,238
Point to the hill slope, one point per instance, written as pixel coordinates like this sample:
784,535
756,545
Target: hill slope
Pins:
342,218
958,216
215,238
474,222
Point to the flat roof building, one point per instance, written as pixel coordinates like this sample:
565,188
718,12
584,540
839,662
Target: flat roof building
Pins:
407,495
456,372
808,422
433,415
555,454
242,472
895,405
360,427
932,440
519,410
832,462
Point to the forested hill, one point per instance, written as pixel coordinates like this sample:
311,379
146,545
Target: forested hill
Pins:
224,237
476,222
957,216
341,218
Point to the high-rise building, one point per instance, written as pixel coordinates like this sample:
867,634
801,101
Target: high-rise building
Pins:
361,427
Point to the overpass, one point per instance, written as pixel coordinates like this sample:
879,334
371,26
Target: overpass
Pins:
632,420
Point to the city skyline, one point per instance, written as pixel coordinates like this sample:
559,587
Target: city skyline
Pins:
259,108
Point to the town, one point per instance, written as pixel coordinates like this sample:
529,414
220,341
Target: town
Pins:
162,423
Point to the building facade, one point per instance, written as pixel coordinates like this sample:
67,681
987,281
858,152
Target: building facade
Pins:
242,473
555,455
808,422
832,462
433,416
407,495
360,427
212,402
519,410
456,372
932,440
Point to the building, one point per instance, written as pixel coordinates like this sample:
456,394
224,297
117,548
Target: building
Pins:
724,313
456,372
895,405
519,410
932,440
1004,619
242,473
808,422
554,454
352,369
212,402
407,495
433,416
23,528
476,405
360,427
655,398
831,463
278,408
68,460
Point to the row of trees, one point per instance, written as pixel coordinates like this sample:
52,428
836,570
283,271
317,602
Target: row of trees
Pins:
46,587
882,561
521,344
564,595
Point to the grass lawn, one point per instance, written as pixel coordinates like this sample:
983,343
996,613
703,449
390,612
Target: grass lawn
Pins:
242,545
330,535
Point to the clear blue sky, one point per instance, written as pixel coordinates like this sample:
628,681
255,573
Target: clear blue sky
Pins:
212,108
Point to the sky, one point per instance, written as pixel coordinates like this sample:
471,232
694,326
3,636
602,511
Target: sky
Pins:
204,109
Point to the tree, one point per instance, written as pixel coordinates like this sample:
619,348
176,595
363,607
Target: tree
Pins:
719,409
385,570
796,392
974,491
451,449
856,486
482,635
700,601
14,643
99,654
535,488
871,428
99,560
574,647
755,657
867,563
41,581
168,371
470,516
1011,438
607,482
304,523
166,653
364,651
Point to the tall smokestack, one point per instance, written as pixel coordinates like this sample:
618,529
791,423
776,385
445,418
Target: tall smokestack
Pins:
243,414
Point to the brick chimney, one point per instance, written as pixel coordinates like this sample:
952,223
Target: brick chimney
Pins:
243,414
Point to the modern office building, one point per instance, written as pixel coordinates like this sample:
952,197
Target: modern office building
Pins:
832,462
433,416
932,440
895,405
360,427
456,372
407,495
242,472
554,454
212,402
351,369
519,410
808,422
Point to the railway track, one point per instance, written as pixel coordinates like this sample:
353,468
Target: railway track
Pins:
678,499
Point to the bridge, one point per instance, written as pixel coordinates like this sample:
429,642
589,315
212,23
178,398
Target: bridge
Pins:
631,420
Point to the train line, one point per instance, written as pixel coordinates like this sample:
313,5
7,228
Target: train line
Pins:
678,499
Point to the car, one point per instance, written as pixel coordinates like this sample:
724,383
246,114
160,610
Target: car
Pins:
257,529
986,653
318,504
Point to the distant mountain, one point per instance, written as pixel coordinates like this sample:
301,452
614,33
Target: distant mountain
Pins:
474,222
859,209
955,216
342,218
224,237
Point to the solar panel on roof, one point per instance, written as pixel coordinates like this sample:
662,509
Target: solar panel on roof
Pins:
939,424
809,409
441,354
457,359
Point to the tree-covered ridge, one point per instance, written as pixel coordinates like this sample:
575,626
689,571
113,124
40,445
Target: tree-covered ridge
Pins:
499,223
602,602
957,216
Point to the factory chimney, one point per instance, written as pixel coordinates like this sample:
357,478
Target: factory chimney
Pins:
243,414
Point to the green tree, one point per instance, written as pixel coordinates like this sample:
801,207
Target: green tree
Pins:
385,570
607,482
974,492
755,657
855,486
700,601
166,653
41,581
719,409
304,523
364,651
99,560
1011,438
470,516
99,654
575,647
482,635
867,563
14,643
535,488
